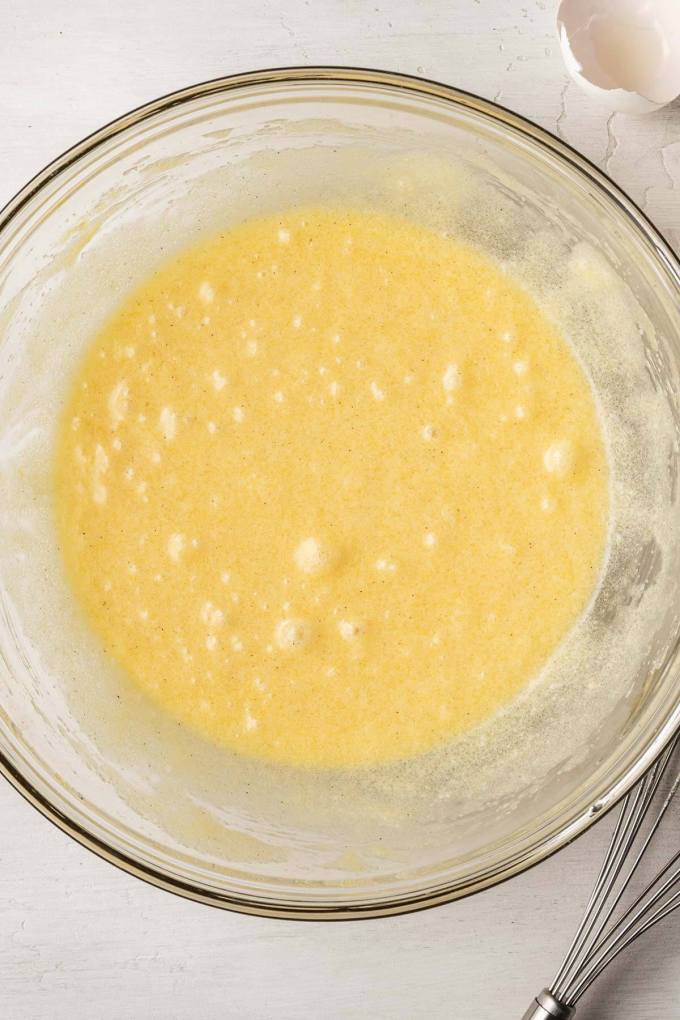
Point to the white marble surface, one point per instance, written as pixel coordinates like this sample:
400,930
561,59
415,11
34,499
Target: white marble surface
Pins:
82,941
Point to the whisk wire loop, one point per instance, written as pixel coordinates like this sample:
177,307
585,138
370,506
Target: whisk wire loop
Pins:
607,928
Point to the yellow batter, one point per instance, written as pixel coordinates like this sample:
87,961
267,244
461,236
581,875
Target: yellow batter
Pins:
331,488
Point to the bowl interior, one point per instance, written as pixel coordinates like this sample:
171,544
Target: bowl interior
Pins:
87,747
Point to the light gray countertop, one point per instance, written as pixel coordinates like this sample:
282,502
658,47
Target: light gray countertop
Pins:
82,941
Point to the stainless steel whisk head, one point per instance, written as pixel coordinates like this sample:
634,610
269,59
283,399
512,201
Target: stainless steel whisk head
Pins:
609,925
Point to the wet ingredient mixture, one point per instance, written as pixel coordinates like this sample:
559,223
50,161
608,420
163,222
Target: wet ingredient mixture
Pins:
330,488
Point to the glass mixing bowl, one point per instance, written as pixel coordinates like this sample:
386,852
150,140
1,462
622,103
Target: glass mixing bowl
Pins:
86,749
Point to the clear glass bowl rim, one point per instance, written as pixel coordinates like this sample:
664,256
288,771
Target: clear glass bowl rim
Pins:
638,759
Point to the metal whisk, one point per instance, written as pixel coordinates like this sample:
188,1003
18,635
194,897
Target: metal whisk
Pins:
608,926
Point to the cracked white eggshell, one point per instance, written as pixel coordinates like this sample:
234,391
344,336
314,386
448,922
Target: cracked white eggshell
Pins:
623,53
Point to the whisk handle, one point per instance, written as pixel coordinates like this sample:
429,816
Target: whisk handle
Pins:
546,1007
